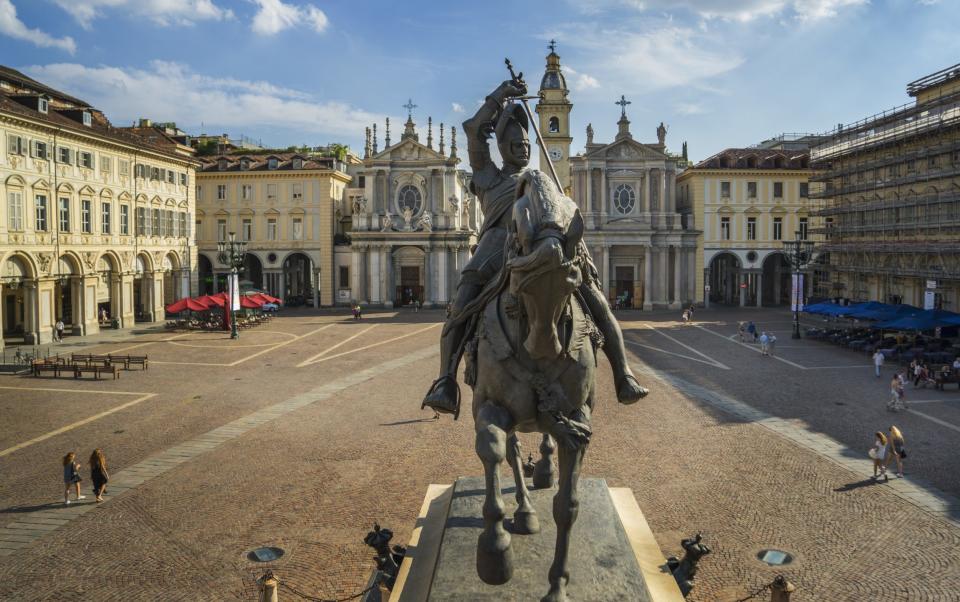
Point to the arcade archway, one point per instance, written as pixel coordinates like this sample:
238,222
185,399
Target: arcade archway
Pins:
725,279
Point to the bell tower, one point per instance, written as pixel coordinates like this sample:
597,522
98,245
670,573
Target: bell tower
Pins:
554,112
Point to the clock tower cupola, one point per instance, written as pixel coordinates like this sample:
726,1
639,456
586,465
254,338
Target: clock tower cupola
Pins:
554,111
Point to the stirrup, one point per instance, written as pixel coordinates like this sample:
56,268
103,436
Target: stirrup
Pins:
433,388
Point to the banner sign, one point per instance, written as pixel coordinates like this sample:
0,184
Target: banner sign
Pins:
796,293
234,280
929,299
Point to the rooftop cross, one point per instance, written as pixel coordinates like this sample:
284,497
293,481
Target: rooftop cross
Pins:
410,107
552,45
623,102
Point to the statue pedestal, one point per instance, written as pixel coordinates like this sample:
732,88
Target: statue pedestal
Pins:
613,554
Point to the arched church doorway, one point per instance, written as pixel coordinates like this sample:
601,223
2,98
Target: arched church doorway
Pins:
776,279
408,264
725,279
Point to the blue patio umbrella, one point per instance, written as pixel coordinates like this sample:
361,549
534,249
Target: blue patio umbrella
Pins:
921,320
820,308
853,310
885,313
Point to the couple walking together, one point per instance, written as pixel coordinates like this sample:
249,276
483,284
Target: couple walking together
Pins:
886,448
72,478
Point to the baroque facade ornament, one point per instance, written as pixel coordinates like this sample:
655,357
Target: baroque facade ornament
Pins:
386,223
425,222
44,260
89,259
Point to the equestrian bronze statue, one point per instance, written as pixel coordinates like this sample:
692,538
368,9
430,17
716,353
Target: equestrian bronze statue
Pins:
495,188
530,317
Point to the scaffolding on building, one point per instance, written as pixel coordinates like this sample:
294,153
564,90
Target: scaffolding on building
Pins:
888,190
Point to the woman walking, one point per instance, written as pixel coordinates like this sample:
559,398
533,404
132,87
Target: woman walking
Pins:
71,477
98,473
897,449
879,453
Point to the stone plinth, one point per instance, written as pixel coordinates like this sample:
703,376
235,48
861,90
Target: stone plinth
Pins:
613,554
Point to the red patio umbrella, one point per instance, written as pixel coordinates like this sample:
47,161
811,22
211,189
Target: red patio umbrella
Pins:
218,300
186,304
270,298
248,302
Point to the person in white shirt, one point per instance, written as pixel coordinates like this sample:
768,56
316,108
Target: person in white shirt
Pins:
878,360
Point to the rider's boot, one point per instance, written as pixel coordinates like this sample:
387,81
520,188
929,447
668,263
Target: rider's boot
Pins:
629,389
444,394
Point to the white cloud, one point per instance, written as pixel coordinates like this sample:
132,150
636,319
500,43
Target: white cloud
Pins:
580,81
734,10
12,26
457,107
690,108
664,57
275,16
171,91
162,12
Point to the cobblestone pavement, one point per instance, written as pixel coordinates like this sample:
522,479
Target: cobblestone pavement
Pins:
302,434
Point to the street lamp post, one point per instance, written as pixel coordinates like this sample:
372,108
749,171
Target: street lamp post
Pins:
799,252
231,253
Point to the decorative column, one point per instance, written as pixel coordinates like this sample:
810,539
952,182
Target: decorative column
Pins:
31,310
676,302
604,196
589,186
760,288
663,282
373,276
741,280
648,278
442,275
157,296
355,273
386,295
706,291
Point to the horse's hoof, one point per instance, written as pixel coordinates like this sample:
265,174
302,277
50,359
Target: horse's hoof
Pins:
525,523
556,594
494,558
544,474
629,390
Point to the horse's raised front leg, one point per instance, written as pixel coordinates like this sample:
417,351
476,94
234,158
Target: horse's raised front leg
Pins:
525,519
494,555
545,471
565,508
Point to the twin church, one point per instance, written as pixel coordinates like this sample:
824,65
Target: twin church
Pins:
412,219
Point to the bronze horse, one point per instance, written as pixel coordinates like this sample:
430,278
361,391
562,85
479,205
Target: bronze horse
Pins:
532,366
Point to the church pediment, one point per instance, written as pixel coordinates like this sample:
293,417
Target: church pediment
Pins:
629,150
409,150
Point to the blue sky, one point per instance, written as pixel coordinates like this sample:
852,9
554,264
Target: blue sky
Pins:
719,73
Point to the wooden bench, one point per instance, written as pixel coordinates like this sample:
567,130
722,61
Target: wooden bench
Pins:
128,360
80,369
41,366
946,379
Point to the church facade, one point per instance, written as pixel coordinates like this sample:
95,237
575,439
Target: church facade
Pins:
408,223
644,249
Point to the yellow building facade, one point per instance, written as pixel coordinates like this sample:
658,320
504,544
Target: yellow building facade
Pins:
747,202
95,221
889,186
285,206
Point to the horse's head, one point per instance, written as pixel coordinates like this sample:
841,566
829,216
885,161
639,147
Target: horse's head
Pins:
548,229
